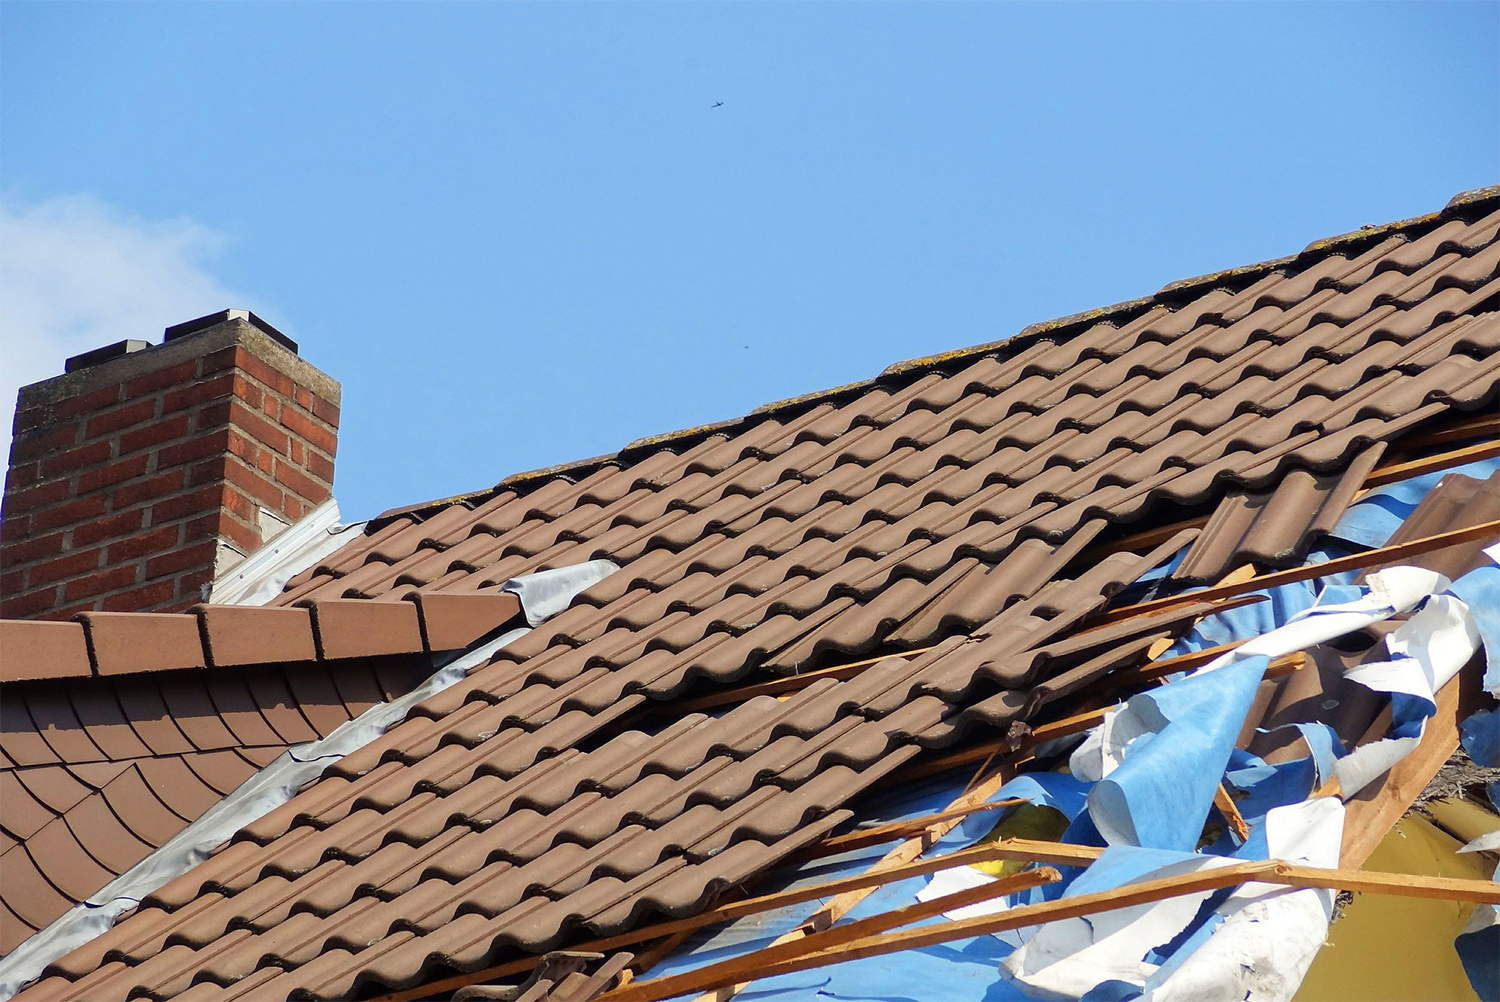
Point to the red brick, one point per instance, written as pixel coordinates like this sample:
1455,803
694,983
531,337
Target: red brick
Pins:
271,406
185,559
164,430
325,411
303,396
190,585
67,566
206,527
274,378
69,514
86,402
108,528
144,544
293,509
122,417
253,484
22,475
96,584
26,550
42,441
172,375
311,431
33,498
305,486
295,452
213,444
12,582
31,417
77,458
212,415
183,505
244,537
244,447
320,467
125,469
148,490
184,397
207,472
224,358
14,527
29,605
238,504
142,598
257,427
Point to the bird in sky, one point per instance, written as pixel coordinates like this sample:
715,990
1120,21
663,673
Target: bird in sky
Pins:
718,104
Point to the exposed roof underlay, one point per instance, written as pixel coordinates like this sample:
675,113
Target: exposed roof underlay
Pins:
970,510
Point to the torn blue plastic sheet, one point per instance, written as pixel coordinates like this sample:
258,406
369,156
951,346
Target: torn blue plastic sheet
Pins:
1480,736
1180,739
1480,591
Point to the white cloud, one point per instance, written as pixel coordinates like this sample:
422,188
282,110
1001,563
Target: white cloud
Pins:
77,274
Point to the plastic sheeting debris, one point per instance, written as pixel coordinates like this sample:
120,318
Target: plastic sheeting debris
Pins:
1163,754
1427,650
1190,947
1480,736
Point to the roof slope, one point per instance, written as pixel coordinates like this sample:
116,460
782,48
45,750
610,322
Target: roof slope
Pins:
96,773
970,502
140,722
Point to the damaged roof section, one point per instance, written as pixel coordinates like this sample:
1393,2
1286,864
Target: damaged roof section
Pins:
971,527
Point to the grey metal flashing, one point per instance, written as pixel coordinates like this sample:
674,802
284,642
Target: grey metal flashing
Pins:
261,576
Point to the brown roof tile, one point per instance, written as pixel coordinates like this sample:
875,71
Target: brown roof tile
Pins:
246,635
106,769
31,650
121,642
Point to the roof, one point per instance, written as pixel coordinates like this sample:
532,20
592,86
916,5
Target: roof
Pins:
958,521
119,729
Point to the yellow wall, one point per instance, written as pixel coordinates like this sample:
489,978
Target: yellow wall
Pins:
1389,949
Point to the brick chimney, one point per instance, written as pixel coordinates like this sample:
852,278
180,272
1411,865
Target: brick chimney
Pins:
143,471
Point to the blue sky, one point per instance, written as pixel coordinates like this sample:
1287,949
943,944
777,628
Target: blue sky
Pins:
520,234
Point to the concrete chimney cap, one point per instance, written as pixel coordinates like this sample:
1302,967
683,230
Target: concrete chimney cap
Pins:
214,319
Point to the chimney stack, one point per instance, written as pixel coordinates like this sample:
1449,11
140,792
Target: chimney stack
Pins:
143,472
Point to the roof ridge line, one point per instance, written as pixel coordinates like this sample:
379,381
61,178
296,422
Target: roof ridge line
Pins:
1463,203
